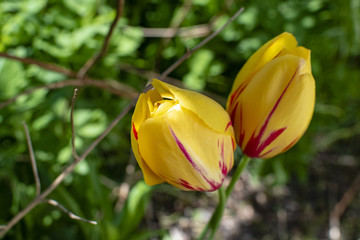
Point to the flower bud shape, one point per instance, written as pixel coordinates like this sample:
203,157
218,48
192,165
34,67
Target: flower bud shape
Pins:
182,137
272,100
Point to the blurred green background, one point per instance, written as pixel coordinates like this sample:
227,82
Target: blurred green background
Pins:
288,197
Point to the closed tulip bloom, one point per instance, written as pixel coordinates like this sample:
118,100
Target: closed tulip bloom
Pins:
182,137
273,97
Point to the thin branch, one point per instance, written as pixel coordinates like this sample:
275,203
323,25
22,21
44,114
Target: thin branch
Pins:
33,160
175,23
112,86
192,31
76,156
2,226
48,66
340,207
70,214
346,199
97,56
150,75
202,43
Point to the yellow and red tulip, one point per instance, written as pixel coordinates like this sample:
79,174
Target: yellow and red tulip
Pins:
273,97
182,137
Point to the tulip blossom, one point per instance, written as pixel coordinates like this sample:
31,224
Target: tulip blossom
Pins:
182,137
272,99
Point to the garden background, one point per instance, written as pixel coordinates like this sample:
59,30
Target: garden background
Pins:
309,192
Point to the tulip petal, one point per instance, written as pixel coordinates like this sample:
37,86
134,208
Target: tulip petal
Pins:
205,108
173,151
266,53
140,114
279,106
300,98
149,176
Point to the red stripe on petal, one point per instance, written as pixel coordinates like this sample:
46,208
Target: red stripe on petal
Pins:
241,131
186,184
254,147
273,135
291,144
222,163
134,131
184,151
233,112
213,185
269,140
237,92
228,125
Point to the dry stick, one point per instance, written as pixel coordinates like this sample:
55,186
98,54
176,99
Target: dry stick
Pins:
48,66
149,75
195,31
340,207
76,156
97,56
202,43
185,8
71,167
33,160
116,88
346,199
70,214
174,26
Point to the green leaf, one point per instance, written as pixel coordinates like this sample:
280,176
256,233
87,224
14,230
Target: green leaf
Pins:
81,7
199,67
12,78
134,209
128,41
89,123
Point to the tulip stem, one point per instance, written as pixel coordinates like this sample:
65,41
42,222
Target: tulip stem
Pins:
214,222
219,211
236,176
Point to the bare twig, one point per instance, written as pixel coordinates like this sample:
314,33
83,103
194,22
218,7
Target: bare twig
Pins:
97,56
177,19
346,199
76,156
150,75
33,160
176,22
48,66
202,43
70,214
112,86
71,167
193,31
340,207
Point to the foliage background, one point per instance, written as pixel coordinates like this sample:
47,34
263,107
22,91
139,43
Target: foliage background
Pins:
288,197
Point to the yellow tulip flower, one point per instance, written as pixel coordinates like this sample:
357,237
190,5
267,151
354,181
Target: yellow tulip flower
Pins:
182,137
272,100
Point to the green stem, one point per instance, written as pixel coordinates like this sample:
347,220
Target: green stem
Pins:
214,222
219,212
216,217
236,176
